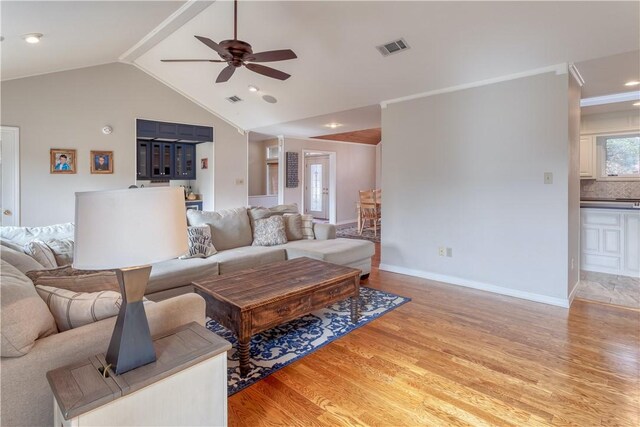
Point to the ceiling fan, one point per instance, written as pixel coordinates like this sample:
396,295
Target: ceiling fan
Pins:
237,53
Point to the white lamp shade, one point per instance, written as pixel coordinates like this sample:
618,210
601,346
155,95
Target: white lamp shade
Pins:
128,228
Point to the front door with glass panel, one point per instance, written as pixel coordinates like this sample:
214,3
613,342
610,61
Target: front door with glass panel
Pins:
317,186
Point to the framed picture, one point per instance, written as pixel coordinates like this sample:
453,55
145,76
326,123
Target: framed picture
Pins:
101,161
204,163
62,160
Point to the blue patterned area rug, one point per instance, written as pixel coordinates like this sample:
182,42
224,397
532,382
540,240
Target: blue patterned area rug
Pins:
276,348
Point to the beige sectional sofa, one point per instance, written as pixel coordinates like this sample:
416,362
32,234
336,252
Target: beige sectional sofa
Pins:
31,344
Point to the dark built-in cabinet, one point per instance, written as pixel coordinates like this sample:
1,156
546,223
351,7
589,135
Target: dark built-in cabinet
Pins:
173,132
168,150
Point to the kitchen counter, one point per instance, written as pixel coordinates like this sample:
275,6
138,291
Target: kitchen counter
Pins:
610,203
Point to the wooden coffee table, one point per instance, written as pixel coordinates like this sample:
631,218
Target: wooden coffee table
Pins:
251,301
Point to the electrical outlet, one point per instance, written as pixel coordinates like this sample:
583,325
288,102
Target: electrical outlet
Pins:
239,181
548,178
442,251
449,252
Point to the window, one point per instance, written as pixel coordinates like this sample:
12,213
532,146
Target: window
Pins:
619,156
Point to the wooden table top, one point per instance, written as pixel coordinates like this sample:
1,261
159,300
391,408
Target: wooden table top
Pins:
261,285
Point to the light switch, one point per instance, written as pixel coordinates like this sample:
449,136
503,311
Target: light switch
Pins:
548,178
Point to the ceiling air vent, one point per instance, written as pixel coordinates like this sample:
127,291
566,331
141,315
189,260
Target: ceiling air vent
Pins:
233,99
393,47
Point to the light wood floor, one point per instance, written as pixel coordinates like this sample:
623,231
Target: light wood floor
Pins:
456,356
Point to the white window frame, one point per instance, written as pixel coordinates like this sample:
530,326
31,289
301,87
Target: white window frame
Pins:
601,158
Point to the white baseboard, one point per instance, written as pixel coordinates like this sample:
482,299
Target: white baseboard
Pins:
348,221
572,295
560,302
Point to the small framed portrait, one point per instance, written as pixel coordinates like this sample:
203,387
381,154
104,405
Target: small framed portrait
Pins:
63,160
204,163
101,161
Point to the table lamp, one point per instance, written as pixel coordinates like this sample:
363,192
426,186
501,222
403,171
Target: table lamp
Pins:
126,230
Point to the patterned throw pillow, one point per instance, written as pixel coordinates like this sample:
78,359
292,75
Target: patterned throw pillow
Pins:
269,231
293,226
39,251
200,243
51,253
74,309
307,227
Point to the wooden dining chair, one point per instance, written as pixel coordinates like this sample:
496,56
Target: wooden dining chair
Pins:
369,211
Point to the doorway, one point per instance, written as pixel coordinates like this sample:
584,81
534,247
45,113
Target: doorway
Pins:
316,189
10,165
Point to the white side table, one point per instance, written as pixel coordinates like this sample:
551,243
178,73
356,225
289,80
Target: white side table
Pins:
187,385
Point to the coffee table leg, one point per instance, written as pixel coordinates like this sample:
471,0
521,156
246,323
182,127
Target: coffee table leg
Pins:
243,350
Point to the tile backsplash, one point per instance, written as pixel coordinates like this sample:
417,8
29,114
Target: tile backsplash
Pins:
592,189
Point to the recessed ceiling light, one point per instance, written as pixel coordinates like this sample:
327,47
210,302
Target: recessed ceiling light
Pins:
636,104
333,125
253,88
632,83
32,38
270,99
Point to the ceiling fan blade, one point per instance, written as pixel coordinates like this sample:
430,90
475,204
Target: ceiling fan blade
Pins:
192,60
226,74
270,56
215,46
268,71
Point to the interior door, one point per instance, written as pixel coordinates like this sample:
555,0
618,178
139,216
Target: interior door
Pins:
10,165
316,186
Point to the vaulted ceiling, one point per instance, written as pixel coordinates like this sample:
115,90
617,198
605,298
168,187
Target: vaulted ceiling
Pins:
338,67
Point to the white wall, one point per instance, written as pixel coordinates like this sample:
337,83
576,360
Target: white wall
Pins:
465,170
573,128
204,183
257,168
355,170
379,165
68,110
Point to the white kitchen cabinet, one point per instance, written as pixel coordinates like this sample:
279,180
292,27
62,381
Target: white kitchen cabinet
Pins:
610,241
587,157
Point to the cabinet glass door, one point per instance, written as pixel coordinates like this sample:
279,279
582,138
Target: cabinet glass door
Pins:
179,161
190,161
156,160
143,160
167,161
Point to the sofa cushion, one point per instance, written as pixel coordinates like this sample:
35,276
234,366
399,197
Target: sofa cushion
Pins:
269,231
24,316
336,251
248,257
175,273
307,227
20,236
293,226
19,260
76,280
200,243
41,252
230,228
74,309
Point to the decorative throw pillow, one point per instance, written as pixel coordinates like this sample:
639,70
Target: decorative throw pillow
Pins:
39,251
62,250
256,213
293,226
75,280
269,231
200,244
307,227
282,209
74,309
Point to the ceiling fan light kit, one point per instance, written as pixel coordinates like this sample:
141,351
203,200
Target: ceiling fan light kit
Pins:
237,53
